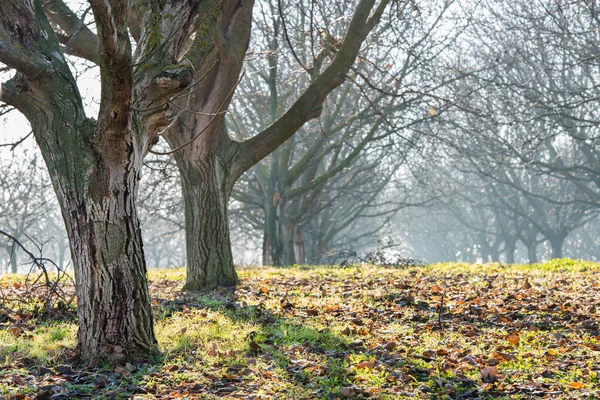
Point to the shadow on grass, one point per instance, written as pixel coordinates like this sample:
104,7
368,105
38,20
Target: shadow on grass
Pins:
311,362
283,356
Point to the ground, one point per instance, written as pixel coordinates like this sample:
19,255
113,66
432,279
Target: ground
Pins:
445,331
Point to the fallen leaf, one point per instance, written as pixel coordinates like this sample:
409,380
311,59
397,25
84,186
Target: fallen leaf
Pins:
489,374
514,338
505,356
15,331
576,385
365,365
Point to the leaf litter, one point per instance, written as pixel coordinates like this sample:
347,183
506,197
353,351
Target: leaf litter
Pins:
444,331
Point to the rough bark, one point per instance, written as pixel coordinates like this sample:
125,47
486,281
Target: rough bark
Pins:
202,146
208,244
94,168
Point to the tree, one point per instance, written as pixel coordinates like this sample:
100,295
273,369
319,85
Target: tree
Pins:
188,56
210,161
25,206
95,165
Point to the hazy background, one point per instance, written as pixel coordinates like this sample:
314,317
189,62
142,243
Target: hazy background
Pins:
478,131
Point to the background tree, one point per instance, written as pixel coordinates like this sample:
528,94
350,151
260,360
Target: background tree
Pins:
210,161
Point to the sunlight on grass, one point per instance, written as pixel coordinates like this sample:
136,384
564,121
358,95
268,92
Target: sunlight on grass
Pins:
357,332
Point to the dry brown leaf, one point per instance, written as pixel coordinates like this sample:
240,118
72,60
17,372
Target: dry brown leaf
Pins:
365,365
489,374
514,338
15,331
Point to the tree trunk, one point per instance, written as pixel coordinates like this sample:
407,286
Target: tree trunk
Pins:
299,246
208,244
62,252
287,241
113,303
532,253
557,243
14,262
266,250
510,248
272,228
96,190
495,255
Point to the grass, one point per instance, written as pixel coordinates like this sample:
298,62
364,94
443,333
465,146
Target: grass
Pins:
444,331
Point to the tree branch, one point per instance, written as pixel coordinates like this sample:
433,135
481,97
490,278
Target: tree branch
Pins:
78,39
308,105
115,75
28,64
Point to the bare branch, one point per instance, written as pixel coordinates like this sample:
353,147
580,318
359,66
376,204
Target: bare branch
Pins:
78,39
308,105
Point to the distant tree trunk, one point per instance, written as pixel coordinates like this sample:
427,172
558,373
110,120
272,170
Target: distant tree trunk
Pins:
14,262
299,246
532,253
510,247
208,243
495,254
266,249
62,252
272,242
557,242
483,251
287,238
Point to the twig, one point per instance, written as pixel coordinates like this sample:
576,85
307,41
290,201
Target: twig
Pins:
18,142
441,311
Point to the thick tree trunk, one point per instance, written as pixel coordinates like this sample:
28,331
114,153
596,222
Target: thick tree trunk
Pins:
113,303
96,193
208,244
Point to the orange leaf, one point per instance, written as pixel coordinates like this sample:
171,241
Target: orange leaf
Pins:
576,385
15,331
365,365
514,338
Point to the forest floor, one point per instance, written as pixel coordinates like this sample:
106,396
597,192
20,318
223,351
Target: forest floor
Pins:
445,331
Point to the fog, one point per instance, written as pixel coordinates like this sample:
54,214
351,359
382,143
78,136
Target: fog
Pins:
465,133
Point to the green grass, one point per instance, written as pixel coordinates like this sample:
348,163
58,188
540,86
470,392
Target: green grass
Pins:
356,332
